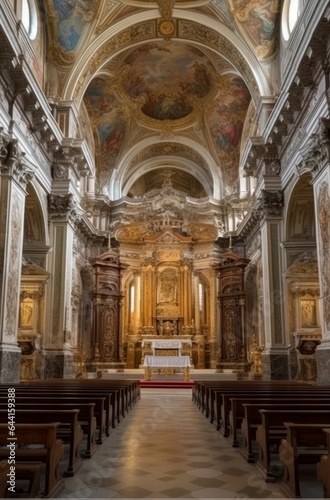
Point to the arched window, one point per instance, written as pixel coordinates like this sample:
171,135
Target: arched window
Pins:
291,12
29,18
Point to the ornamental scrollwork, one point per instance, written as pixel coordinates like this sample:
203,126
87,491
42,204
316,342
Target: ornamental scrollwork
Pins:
12,161
271,203
63,207
319,152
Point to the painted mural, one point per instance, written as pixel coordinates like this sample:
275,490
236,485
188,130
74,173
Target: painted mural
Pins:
168,77
226,121
72,16
323,204
260,21
107,120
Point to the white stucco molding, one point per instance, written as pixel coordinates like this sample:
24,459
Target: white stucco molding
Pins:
121,173
81,67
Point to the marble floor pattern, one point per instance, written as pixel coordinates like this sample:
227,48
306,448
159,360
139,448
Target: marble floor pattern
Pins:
165,448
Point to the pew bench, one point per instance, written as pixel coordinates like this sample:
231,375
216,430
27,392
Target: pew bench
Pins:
86,419
24,471
252,419
237,410
48,450
272,430
50,397
223,399
323,467
304,443
69,430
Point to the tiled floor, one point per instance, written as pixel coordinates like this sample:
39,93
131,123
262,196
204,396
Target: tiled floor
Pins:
165,448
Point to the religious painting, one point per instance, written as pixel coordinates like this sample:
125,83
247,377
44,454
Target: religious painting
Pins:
323,211
107,119
259,20
72,16
168,76
26,313
226,123
308,317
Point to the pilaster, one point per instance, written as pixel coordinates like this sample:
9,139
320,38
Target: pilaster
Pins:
317,162
275,355
14,176
58,358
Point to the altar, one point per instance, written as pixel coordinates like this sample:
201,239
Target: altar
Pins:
172,363
166,347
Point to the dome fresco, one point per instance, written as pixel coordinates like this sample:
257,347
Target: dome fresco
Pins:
167,76
137,85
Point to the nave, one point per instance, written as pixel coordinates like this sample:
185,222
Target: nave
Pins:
166,448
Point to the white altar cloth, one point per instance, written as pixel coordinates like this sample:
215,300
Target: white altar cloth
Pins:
166,343
167,361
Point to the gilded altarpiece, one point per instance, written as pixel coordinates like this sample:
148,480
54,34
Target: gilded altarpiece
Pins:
232,299
106,298
165,297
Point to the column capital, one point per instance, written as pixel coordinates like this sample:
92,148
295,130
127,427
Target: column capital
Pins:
318,154
270,204
272,166
63,208
12,161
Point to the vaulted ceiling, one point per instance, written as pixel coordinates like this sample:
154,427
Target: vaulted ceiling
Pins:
164,90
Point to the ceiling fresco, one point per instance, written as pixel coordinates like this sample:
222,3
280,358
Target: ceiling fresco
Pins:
259,21
71,19
107,121
147,96
226,123
169,76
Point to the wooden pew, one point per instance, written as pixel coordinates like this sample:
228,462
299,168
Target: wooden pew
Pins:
127,391
49,398
69,429
236,413
203,389
223,398
51,453
252,418
323,467
26,471
272,430
304,443
86,419
112,407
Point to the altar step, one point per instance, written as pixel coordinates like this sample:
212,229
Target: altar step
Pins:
166,384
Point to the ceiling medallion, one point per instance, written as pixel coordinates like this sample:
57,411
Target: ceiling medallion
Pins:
166,28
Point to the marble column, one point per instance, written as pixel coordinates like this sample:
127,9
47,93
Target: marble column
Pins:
275,365
317,162
14,176
58,358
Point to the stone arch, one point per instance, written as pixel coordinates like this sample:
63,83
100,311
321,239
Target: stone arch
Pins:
299,220
118,38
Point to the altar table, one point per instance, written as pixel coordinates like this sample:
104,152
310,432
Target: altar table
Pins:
171,362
